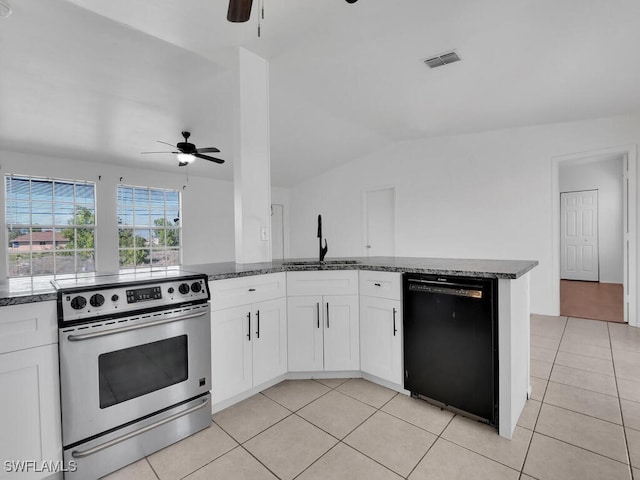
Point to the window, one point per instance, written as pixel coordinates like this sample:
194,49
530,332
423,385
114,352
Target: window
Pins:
149,227
50,226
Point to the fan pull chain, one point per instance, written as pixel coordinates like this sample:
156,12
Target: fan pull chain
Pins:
260,16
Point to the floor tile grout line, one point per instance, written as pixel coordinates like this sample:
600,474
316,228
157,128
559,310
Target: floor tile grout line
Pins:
295,412
260,432
581,448
413,424
587,356
362,401
431,446
151,467
581,388
585,414
379,409
341,441
544,394
464,447
259,461
299,408
376,410
577,446
210,461
584,369
624,429
316,460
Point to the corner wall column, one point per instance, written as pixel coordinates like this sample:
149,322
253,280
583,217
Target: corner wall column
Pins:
251,169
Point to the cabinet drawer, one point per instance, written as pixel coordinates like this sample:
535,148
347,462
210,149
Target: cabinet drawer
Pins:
381,284
233,292
28,325
324,282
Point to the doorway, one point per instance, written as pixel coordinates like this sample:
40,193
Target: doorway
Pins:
595,236
380,222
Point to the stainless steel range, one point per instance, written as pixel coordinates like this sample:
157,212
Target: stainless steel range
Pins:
135,367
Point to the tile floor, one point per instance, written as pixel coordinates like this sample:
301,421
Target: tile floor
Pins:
583,422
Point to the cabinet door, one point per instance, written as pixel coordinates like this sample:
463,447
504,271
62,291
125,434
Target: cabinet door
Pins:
381,338
304,333
341,333
269,340
230,352
30,407
28,325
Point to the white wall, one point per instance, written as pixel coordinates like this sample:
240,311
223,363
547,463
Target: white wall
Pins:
280,196
484,195
604,175
207,205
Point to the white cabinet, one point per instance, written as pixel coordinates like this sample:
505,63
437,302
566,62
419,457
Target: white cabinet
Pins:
305,333
341,333
231,355
248,342
381,326
29,382
381,338
28,325
323,329
269,339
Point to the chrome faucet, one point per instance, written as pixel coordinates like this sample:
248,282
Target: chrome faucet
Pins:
322,251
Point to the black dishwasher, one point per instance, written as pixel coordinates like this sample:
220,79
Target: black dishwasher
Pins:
451,342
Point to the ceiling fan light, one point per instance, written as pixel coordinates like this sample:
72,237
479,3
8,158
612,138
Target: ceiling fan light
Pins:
185,158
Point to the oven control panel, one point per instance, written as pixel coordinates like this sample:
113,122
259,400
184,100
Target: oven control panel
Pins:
144,294
88,303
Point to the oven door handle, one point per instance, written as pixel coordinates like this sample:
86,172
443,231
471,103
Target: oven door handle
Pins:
88,336
117,440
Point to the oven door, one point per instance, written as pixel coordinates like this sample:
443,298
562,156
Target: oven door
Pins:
119,371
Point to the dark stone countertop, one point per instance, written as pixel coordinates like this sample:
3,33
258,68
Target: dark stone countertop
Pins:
508,269
39,289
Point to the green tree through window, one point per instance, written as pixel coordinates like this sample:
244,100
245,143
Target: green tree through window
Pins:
149,227
50,225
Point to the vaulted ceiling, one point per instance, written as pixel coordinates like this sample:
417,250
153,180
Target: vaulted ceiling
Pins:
103,80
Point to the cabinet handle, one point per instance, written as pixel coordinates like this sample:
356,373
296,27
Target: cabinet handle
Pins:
252,289
394,323
377,284
327,314
318,313
258,322
249,320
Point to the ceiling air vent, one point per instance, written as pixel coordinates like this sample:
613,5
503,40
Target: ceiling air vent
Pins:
442,59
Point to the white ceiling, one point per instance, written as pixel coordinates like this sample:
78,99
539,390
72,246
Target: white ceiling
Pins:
103,80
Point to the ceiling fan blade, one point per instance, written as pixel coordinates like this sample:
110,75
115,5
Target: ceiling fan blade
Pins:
171,145
207,157
155,152
239,10
207,150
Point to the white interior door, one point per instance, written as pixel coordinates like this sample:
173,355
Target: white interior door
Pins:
380,222
277,232
579,235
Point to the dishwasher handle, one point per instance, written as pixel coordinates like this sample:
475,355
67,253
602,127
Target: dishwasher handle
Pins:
458,291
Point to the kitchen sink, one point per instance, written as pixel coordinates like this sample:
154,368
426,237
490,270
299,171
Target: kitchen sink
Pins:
303,263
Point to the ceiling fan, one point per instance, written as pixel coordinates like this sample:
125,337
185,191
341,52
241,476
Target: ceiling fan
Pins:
188,152
240,10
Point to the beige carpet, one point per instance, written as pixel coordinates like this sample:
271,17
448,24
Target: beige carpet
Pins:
593,300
